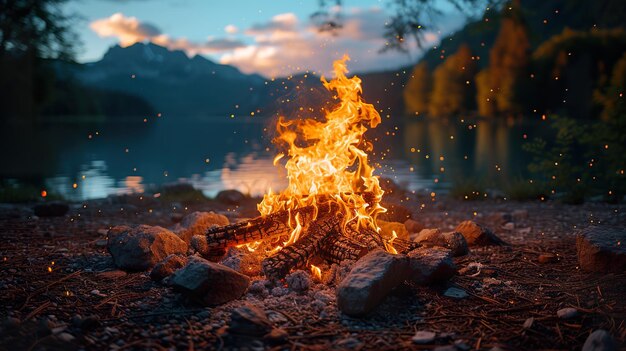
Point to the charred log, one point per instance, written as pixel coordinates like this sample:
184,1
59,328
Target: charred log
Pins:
337,248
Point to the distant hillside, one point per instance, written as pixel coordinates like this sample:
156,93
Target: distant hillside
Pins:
173,83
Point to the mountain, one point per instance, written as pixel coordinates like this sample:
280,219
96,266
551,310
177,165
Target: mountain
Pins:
173,83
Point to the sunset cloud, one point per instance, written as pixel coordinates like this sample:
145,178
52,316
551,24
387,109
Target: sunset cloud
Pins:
231,29
130,30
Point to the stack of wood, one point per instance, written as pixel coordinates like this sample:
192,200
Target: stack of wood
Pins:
326,236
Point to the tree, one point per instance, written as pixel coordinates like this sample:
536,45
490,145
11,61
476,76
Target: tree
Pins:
417,90
31,31
453,88
503,85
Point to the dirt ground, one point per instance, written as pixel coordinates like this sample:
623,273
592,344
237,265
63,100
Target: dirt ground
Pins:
60,290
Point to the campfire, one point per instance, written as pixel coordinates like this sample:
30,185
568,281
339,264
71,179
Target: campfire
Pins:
330,207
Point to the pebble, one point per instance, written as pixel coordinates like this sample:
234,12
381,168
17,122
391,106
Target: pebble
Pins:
547,258
299,281
66,337
567,313
528,323
508,226
600,340
423,337
446,348
455,293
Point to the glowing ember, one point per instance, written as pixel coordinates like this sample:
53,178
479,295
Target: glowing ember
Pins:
328,159
316,272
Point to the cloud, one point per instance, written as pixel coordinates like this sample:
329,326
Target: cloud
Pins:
231,29
130,30
284,45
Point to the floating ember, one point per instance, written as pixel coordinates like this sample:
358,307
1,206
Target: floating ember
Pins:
330,206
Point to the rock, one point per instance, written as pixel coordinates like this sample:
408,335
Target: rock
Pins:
259,288
423,337
425,235
386,229
447,348
547,258
51,209
600,340
413,226
430,264
200,244
249,320
243,261
11,323
230,197
176,217
508,226
209,283
528,323
455,293
90,323
476,234
168,266
369,282
65,337
197,223
602,249
567,313
350,343
276,336
298,281
140,248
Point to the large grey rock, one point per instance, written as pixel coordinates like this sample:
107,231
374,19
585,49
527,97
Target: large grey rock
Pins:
602,249
168,266
475,234
141,247
600,340
370,281
209,283
197,223
431,265
249,320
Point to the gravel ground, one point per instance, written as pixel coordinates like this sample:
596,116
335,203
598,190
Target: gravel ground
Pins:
60,290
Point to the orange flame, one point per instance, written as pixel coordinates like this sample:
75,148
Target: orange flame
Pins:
316,272
329,156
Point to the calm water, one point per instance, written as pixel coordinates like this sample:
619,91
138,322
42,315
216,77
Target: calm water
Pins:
105,159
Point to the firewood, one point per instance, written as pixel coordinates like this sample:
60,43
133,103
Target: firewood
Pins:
273,225
364,236
337,248
403,246
297,254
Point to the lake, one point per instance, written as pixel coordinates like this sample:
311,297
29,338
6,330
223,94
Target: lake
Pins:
224,153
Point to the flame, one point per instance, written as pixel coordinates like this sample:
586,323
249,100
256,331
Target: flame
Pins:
316,272
329,156
389,243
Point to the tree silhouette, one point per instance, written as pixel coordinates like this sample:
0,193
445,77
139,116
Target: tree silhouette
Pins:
418,89
453,87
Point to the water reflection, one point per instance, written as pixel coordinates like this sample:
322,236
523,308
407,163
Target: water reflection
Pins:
424,155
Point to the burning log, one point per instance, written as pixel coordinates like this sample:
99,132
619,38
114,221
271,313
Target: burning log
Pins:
367,236
337,248
297,255
270,226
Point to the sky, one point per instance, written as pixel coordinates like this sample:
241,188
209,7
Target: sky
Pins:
272,38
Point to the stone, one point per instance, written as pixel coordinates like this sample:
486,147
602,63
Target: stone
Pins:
423,337
476,234
249,320
455,293
51,209
600,340
370,281
243,261
431,265
602,249
567,313
528,323
259,288
197,223
168,266
141,247
508,226
230,197
499,217
387,229
453,241
65,337
447,348
209,283
547,258
298,281
276,336
413,226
